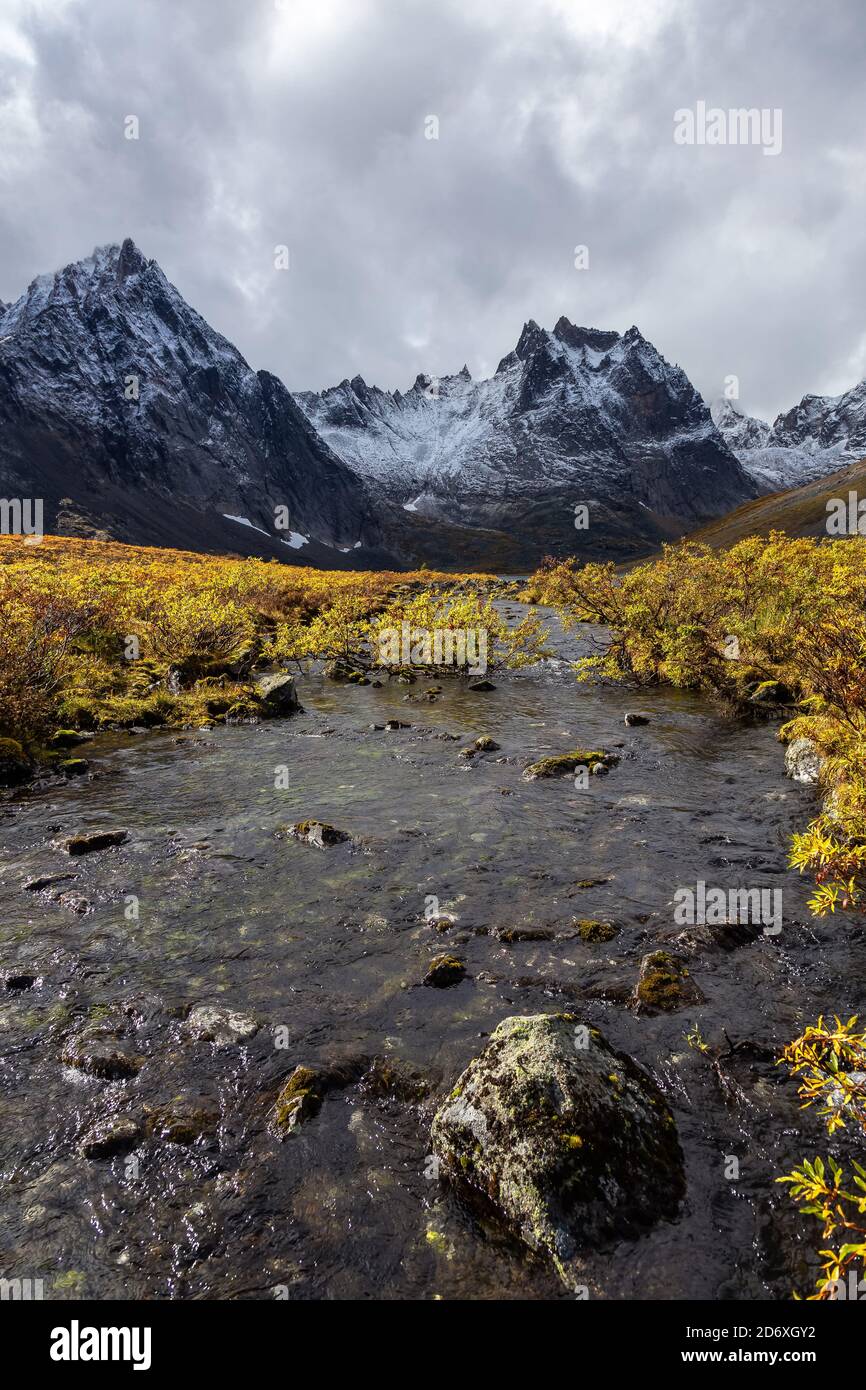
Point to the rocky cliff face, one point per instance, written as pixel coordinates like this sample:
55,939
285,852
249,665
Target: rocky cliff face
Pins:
128,414
573,416
815,438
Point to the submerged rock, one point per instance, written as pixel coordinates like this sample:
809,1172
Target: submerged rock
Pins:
277,693
183,1119
318,833
664,984
115,1135
101,1052
39,885
803,761
444,970
568,1141
482,686
95,840
216,1024
561,764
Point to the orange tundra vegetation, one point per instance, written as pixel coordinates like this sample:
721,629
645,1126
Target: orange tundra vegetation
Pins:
98,634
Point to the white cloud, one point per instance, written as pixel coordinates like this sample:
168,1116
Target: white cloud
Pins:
304,126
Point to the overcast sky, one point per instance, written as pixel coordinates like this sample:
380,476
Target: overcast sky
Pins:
304,123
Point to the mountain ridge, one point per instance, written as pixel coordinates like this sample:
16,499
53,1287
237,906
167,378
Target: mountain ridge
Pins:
133,417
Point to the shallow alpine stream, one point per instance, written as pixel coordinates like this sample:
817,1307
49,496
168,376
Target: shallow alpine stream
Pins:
326,950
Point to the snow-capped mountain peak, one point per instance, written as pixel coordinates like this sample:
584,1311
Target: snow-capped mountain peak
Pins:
115,392
814,438
570,412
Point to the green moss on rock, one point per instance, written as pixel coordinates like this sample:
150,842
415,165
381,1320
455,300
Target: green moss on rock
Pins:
561,764
299,1099
444,970
592,931
15,766
537,1132
664,984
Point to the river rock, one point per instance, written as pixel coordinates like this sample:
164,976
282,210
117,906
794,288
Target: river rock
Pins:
15,766
522,933
632,721
594,932
39,885
664,984
277,693
562,764
216,1024
444,970
299,1099
318,833
67,738
94,841
183,1119
103,1053
803,761
568,1141
115,1135
481,687
74,767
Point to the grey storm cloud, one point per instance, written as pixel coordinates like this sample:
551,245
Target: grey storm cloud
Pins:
304,123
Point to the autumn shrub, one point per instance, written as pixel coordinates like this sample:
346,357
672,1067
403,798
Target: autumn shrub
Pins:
94,633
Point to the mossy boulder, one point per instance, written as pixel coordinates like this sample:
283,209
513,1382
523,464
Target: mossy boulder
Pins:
567,1141
299,1099
592,931
772,693
347,671
664,984
15,766
73,767
562,764
64,738
444,970
485,744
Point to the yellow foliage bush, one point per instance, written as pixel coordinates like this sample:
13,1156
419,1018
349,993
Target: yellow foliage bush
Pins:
68,608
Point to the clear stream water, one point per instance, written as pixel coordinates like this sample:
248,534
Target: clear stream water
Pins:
330,948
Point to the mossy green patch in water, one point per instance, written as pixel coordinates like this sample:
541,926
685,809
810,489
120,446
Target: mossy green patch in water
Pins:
590,930
299,1099
664,984
561,764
